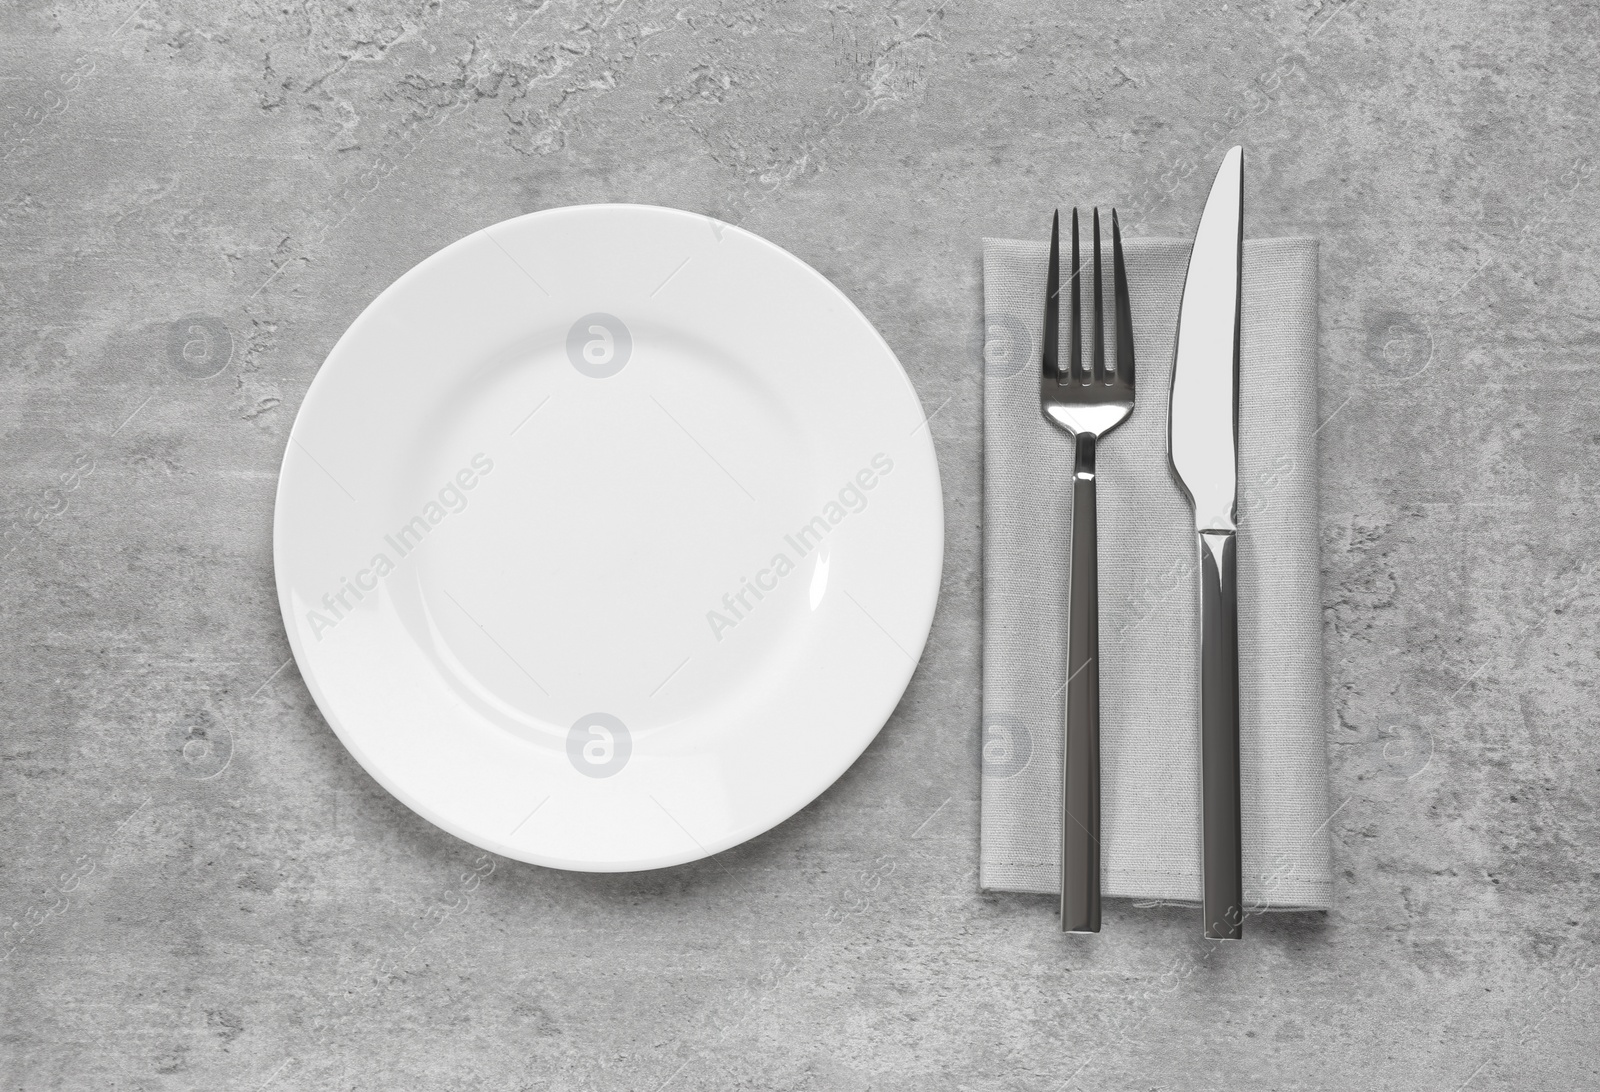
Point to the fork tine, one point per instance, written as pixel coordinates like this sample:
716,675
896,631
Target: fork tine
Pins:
1099,345
1052,303
1119,279
1075,332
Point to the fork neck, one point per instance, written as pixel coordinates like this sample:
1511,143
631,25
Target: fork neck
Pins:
1083,456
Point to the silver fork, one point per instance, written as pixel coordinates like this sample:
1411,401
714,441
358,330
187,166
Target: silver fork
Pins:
1088,404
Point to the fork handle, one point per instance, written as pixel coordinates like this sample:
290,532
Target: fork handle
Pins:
1222,863
1080,769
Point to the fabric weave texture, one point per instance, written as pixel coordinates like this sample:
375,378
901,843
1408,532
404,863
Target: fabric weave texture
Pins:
1149,598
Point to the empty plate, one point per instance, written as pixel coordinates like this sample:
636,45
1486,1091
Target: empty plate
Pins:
608,537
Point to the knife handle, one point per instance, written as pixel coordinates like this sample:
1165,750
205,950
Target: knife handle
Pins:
1222,897
1080,767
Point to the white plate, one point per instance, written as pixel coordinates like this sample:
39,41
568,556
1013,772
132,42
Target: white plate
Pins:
609,536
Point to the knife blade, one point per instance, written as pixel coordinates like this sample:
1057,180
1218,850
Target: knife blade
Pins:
1202,445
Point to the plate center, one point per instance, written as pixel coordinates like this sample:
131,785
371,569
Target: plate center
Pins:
626,547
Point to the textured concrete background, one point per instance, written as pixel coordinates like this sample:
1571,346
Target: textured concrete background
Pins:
200,889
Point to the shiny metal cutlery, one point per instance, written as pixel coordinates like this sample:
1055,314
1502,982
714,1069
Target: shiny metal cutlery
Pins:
1202,443
1088,403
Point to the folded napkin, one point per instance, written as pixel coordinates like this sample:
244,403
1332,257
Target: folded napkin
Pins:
1149,602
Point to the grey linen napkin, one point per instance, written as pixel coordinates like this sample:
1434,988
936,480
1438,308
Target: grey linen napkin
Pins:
1149,605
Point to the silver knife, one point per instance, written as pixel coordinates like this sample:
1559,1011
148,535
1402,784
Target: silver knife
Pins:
1202,443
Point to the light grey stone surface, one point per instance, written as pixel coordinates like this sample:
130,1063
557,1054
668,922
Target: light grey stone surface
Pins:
201,889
